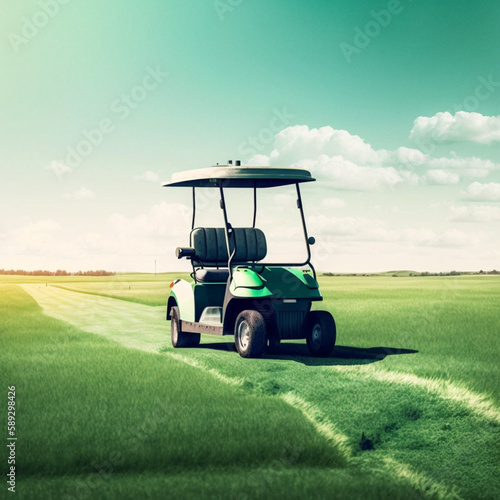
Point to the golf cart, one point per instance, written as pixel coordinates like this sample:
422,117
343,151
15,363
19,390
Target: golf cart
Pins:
233,291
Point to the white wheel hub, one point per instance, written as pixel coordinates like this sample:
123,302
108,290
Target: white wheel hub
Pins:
243,335
316,335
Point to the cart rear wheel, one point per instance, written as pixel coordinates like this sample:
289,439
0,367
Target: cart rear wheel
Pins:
179,338
250,334
320,333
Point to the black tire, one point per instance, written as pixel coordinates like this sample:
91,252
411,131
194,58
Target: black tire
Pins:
250,334
178,337
321,333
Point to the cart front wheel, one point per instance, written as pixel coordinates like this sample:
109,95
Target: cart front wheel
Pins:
179,338
320,333
250,334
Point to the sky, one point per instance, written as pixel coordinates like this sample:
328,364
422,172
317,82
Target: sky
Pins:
392,105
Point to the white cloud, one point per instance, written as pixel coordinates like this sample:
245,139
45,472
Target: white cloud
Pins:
120,243
284,200
361,229
259,161
463,126
466,166
351,228
59,168
80,194
43,237
475,213
333,203
427,237
163,219
483,192
408,156
352,164
142,238
438,176
147,176
345,174
300,142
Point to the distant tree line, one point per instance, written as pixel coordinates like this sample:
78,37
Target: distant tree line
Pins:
425,273
59,272
455,273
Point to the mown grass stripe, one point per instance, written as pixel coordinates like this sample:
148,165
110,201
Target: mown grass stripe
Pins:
218,375
340,441
477,403
430,488
323,426
309,411
107,295
418,481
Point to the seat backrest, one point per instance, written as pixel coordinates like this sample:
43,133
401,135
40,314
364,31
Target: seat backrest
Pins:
250,244
210,245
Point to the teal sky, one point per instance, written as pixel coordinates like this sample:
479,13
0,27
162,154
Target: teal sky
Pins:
224,74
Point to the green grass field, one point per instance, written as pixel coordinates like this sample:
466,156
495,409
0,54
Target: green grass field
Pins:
415,370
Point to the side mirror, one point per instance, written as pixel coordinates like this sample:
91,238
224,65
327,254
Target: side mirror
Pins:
311,240
189,253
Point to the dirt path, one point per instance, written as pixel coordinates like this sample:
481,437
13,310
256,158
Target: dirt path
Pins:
133,325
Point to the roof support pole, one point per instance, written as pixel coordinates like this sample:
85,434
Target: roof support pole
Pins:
303,218
194,208
227,227
254,203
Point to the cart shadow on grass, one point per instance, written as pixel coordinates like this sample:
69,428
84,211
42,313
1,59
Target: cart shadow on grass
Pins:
341,355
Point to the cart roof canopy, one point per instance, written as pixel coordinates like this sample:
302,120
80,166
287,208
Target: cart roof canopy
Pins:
239,177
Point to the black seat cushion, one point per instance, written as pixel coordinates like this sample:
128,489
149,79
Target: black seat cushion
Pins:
212,275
